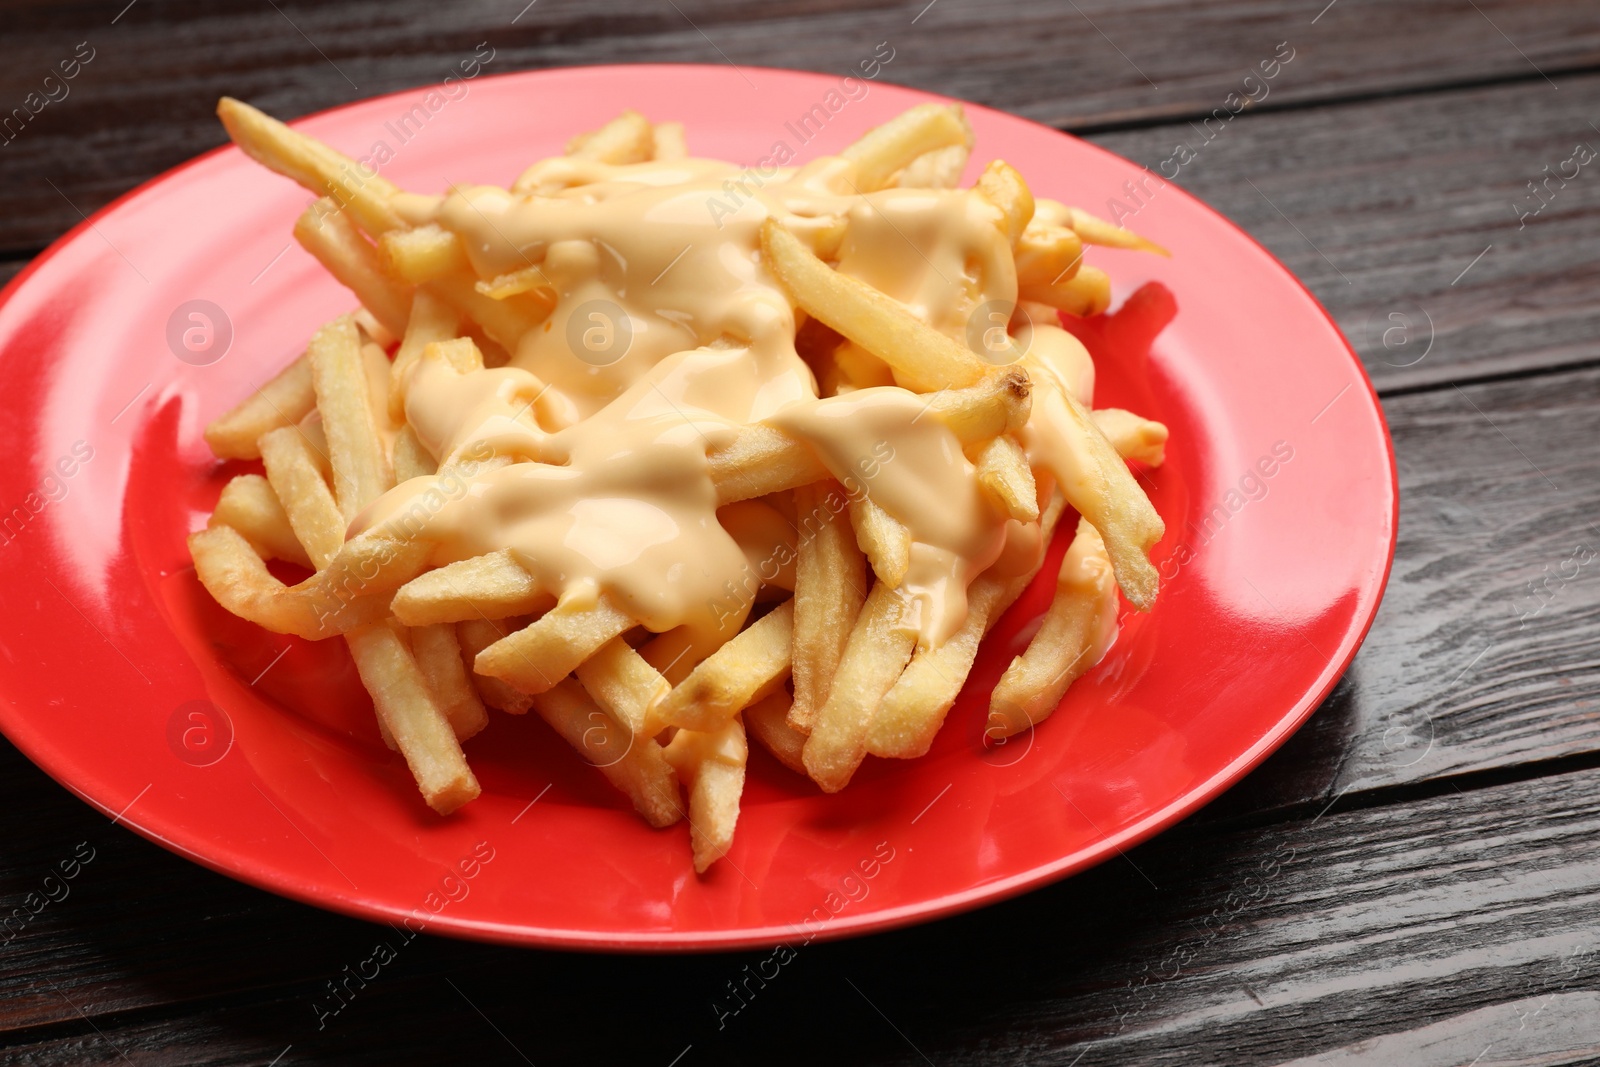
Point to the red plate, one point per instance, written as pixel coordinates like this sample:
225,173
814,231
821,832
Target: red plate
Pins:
257,755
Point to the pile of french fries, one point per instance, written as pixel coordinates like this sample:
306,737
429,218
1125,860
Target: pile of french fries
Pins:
827,670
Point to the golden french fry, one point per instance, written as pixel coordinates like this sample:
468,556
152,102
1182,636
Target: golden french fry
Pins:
885,150
1074,635
1002,186
711,765
525,280
915,706
744,670
1003,470
411,459
249,505
884,539
503,321
880,646
475,635
628,138
360,469
678,652
491,586
540,655
1098,231
1047,255
431,320
635,765
998,404
311,163
308,503
829,588
767,720
438,655
625,685
669,141
1087,292
331,236
1102,489
761,461
923,358
852,367
330,602
423,253
1133,436
283,401
938,169
407,709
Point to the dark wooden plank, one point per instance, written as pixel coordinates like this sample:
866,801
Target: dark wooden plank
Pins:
1246,945
1380,208
143,103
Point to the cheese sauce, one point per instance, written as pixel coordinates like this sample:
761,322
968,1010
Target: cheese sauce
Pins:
668,334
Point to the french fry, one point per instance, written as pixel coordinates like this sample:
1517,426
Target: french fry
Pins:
438,655
525,280
625,685
1003,470
880,646
628,138
767,720
503,321
1133,436
884,539
415,721
423,253
915,707
669,141
431,320
885,150
938,169
307,501
1074,635
760,461
1047,255
1098,231
1087,292
491,586
331,236
711,765
538,656
635,765
329,602
249,505
360,470
830,586
283,401
744,670
923,358
311,163
1002,186
410,458
1104,491
475,635
679,651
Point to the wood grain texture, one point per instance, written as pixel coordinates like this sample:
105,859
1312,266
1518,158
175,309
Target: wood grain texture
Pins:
144,102
1239,945
1381,207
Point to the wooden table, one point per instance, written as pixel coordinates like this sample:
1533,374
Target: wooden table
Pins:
1414,878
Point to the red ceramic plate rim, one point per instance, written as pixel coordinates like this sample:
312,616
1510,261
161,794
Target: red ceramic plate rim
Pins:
58,763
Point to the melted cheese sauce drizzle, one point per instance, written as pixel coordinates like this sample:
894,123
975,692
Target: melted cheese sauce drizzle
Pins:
611,492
